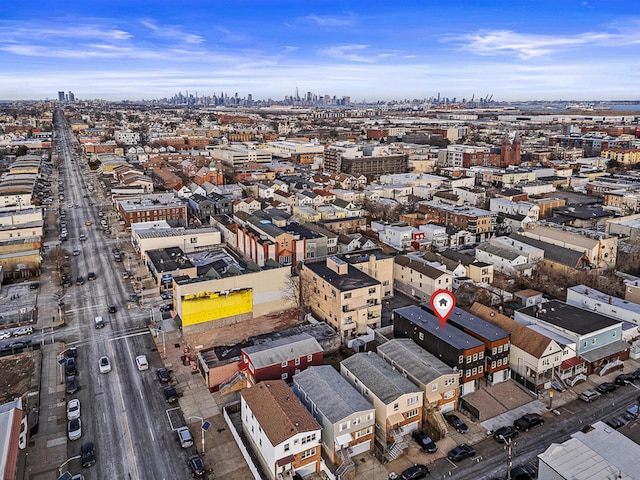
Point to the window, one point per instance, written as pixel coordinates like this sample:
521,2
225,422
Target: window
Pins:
298,361
593,341
395,407
344,426
364,432
500,349
308,453
309,358
494,351
506,347
286,447
474,371
372,290
493,364
284,376
434,387
614,334
460,359
412,413
469,359
467,373
284,364
412,400
475,357
450,394
584,344
421,336
480,369
480,355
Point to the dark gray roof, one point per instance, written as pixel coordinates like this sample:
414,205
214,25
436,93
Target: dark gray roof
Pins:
284,349
428,322
471,323
169,259
570,318
415,360
354,278
379,377
332,394
554,253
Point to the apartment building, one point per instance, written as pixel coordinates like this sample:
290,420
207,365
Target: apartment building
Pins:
343,296
415,277
480,223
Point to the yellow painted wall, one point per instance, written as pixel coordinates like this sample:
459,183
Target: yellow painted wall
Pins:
208,306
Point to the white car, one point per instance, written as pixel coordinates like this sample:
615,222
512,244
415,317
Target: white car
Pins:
105,365
5,335
74,429
141,361
23,331
73,409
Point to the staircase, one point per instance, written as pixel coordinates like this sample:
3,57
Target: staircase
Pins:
346,465
238,380
439,422
611,366
398,445
581,377
560,380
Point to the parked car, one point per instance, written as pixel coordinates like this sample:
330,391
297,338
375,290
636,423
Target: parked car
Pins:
34,286
417,471
4,335
76,252
424,441
166,308
23,331
112,309
503,434
197,465
636,374
163,374
88,454
141,362
523,472
105,364
617,422
91,276
456,422
606,387
74,429
72,385
184,437
80,280
170,394
71,352
631,413
624,379
528,421
589,396
73,409
71,367
461,452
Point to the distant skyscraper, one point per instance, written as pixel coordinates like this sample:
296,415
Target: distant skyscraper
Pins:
72,97
61,96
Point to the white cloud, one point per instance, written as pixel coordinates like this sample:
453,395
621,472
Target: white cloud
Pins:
330,20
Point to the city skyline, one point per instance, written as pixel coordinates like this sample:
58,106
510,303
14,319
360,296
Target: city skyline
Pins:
574,50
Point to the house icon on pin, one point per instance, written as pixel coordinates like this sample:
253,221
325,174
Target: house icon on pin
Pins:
443,302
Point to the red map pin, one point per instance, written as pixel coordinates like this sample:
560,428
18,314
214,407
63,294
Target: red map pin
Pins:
442,303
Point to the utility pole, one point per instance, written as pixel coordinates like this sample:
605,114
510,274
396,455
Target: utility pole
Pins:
509,457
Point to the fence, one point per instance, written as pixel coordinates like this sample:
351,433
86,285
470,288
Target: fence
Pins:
243,449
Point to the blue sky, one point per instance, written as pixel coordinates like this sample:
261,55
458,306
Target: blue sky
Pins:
373,50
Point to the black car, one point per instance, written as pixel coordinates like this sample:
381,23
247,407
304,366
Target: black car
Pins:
461,452
170,394
616,422
528,421
34,286
163,374
80,281
417,471
88,453
523,472
166,308
112,309
505,434
424,441
17,345
197,465
624,379
456,422
72,385
607,387
71,352
91,276
71,367
636,374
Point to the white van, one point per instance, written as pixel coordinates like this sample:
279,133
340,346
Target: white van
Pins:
99,322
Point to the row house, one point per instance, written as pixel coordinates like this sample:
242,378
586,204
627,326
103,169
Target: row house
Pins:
598,338
206,207
480,223
623,201
281,431
454,347
174,212
439,382
477,271
397,236
355,242
413,276
343,296
350,209
280,359
397,400
510,256
346,418
502,205
332,237
533,357
589,298
495,339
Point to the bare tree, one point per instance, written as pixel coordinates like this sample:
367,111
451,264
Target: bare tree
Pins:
299,292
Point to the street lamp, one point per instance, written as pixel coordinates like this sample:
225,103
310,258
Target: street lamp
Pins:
508,443
204,426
